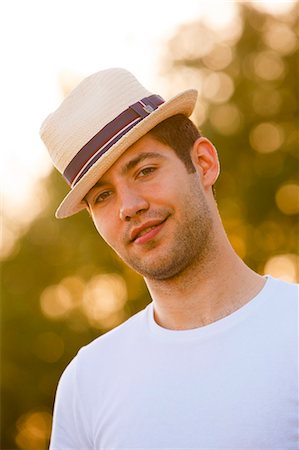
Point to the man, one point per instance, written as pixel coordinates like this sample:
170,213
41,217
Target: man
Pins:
212,362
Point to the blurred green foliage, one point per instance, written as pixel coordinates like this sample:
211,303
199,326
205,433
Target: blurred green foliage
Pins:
62,286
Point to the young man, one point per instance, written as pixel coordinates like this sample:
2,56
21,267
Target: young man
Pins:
212,362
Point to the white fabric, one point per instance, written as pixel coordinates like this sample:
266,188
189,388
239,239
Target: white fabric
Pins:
232,384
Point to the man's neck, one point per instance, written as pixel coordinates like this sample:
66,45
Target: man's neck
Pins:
204,294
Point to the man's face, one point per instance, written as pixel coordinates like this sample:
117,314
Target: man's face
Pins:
151,211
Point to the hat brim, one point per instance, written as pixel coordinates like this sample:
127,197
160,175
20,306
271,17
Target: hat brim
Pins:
182,103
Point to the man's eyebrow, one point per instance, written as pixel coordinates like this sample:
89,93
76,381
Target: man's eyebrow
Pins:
98,184
127,167
141,157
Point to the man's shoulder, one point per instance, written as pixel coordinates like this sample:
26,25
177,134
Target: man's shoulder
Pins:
284,290
117,341
282,307
128,329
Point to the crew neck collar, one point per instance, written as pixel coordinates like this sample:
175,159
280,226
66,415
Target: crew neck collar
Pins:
215,327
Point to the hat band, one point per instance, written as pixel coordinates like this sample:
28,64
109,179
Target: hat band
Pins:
108,136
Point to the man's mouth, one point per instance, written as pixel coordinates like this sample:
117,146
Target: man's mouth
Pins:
146,231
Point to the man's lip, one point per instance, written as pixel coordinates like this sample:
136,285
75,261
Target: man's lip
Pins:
151,223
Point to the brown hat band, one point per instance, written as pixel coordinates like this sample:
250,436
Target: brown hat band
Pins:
107,136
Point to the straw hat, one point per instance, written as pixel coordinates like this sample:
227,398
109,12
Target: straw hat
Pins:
103,116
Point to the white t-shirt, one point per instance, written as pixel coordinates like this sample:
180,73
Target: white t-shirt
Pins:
232,384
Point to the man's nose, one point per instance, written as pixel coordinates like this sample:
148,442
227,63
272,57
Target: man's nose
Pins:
132,204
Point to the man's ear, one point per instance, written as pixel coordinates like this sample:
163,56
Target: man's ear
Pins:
205,160
87,206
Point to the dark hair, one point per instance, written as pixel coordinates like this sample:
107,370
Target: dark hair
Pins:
179,133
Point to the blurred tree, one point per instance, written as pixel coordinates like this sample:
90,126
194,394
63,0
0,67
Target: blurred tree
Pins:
62,286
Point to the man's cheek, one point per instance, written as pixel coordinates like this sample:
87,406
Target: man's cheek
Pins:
109,238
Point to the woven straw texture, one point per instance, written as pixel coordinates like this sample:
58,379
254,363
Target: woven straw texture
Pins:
95,102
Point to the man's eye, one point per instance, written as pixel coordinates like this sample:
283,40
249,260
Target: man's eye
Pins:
146,171
102,196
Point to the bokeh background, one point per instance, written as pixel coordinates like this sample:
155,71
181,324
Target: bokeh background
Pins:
61,287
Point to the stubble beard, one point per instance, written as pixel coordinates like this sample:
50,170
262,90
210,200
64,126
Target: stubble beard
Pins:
189,248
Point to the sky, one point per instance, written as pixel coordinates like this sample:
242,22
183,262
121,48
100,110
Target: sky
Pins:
46,41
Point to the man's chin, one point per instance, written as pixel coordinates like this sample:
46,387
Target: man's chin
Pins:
157,267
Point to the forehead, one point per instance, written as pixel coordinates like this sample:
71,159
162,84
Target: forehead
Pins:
145,147
145,144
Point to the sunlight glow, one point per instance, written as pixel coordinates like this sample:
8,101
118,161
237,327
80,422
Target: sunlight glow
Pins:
284,267
33,430
274,6
104,299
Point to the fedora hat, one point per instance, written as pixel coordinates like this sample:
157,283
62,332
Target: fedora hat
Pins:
97,122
